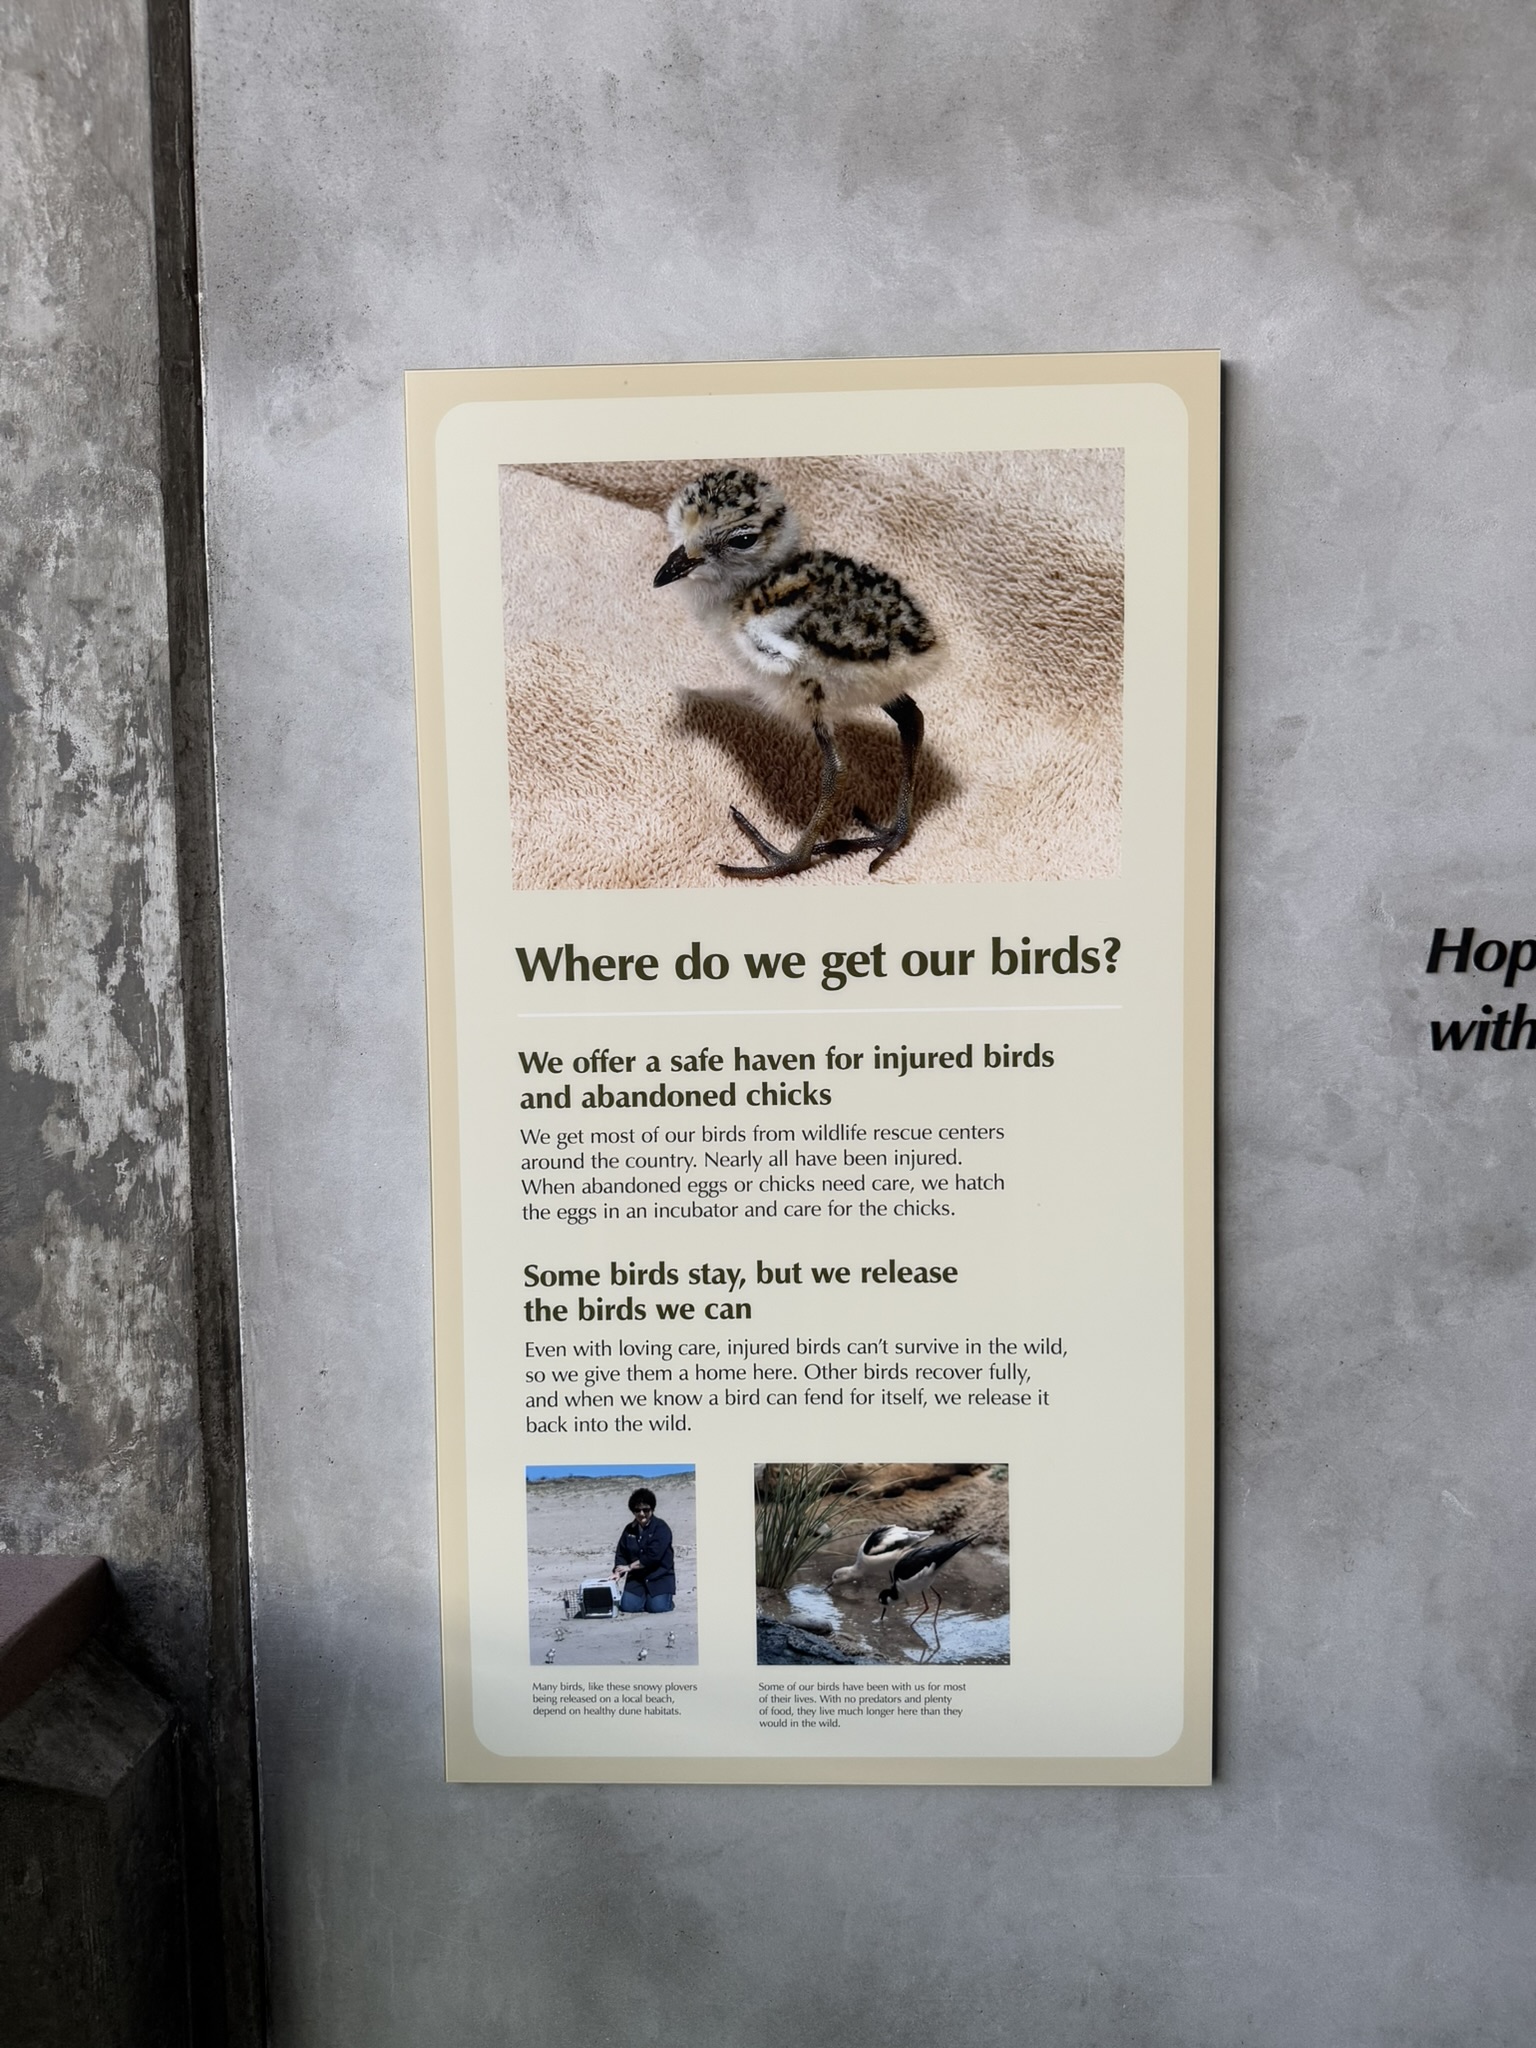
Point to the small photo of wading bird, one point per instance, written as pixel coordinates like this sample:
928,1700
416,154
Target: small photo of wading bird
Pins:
882,1564
713,669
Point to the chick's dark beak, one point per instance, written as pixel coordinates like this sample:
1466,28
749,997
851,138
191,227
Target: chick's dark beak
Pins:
674,567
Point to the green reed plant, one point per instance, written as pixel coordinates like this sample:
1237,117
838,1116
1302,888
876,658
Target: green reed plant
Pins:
798,1510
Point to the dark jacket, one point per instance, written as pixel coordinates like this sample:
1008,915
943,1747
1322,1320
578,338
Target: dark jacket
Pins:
652,1553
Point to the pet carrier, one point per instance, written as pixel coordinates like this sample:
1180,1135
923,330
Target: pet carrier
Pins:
596,1599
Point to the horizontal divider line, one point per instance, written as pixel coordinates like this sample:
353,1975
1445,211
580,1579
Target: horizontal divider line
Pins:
946,1010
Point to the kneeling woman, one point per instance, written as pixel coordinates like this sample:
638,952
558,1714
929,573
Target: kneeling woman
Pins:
643,1559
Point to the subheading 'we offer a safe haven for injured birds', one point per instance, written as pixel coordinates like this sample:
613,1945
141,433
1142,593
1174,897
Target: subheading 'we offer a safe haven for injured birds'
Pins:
816,637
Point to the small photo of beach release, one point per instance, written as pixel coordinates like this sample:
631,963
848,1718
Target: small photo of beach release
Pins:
830,669
612,1565
882,1564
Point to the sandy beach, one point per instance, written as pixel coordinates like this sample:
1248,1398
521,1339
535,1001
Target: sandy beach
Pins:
573,1525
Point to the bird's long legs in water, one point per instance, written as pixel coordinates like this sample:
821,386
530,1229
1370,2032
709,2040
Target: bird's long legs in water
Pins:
938,1602
882,840
930,1650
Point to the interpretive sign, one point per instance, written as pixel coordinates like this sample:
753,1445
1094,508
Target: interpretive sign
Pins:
817,770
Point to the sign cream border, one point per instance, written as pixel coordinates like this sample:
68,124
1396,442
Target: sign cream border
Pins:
1194,377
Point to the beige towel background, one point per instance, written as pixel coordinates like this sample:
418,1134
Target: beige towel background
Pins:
623,766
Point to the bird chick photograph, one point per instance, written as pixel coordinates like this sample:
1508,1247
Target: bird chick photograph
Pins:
818,636
814,670
882,1564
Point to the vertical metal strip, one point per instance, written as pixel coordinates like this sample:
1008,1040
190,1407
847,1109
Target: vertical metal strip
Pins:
224,1848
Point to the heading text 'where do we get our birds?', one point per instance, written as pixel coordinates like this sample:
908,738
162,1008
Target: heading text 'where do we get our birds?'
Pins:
839,967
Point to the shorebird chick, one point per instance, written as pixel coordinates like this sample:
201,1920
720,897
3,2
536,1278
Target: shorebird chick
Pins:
878,1552
549,1656
642,1656
917,1571
817,637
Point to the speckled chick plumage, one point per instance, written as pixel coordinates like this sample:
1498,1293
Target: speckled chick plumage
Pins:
814,634
814,637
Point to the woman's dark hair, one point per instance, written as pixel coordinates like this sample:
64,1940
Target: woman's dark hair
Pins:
642,1497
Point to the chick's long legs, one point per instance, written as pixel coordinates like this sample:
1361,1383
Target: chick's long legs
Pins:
884,840
805,848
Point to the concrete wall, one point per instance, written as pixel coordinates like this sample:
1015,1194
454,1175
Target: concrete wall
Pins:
1338,197
104,1360
99,1438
